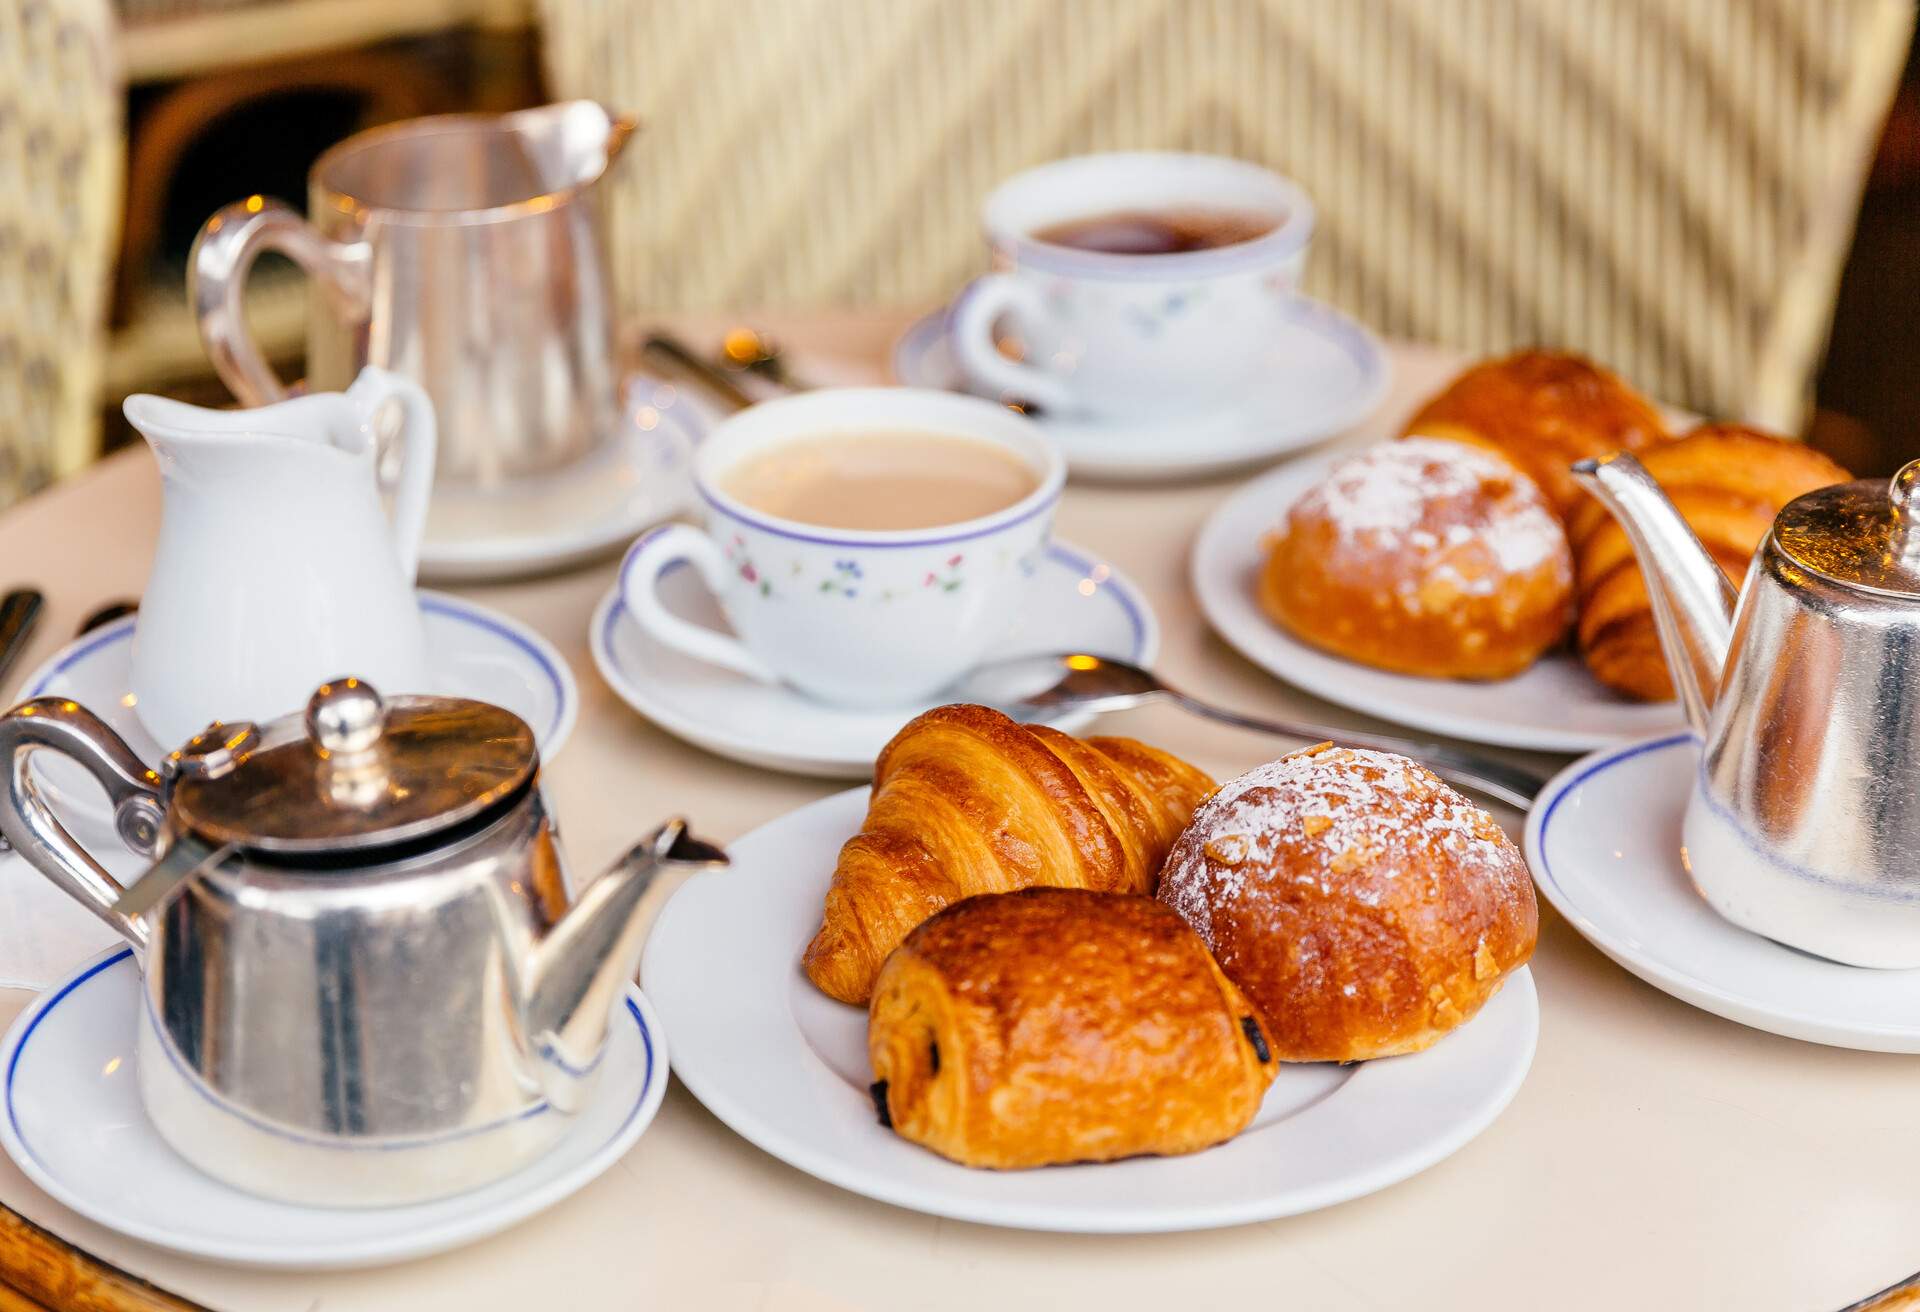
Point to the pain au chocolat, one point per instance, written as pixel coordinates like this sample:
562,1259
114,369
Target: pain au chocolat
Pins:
1058,1025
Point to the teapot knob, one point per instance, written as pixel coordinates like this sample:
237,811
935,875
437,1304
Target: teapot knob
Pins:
1905,492
346,717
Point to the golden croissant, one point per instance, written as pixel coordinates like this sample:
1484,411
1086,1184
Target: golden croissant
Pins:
1057,1025
1729,482
966,801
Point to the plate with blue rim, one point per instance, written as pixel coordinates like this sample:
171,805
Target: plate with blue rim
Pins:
472,651
1604,841
1075,601
73,1122
1326,374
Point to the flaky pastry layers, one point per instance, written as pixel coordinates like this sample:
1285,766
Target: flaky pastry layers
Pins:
1059,1025
1361,904
1543,410
966,801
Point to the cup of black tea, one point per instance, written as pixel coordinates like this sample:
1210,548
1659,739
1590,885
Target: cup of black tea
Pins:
1132,283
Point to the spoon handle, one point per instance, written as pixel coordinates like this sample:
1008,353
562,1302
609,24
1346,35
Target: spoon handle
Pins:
1515,785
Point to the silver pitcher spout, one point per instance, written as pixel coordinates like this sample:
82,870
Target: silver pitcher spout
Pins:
580,969
1693,602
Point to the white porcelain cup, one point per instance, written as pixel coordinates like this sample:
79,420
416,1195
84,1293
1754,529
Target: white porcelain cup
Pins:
854,617
1106,335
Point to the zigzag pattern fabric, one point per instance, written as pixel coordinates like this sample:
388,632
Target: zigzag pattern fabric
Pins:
1668,185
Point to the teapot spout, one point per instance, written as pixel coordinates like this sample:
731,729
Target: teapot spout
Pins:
580,970
1693,603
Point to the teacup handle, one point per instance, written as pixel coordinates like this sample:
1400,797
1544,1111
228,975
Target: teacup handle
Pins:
640,573
217,268
419,440
32,829
974,331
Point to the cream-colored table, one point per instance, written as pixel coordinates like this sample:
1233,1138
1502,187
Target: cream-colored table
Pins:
1657,1157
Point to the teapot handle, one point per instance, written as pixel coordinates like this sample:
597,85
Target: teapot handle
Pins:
419,441
33,830
217,267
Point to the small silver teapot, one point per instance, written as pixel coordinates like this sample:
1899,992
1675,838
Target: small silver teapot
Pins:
1804,820
363,982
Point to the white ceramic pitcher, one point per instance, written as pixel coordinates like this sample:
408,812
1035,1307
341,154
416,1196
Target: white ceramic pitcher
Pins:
277,568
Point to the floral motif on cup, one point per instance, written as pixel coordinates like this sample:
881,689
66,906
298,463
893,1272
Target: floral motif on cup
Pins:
1149,319
845,579
947,576
742,561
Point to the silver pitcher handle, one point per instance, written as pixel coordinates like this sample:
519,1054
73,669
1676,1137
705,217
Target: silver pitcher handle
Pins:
36,833
217,267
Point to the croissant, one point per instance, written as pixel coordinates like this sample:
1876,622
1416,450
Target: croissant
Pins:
1729,482
1543,410
1059,1025
966,801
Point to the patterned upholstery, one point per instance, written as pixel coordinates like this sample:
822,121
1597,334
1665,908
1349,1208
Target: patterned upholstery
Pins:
1666,184
60,153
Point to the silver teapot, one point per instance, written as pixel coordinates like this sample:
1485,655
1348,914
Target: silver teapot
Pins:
363,982
1804,819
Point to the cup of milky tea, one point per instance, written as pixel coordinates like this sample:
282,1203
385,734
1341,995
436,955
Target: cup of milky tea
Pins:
867,545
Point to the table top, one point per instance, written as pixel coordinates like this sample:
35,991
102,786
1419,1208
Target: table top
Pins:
1657,1156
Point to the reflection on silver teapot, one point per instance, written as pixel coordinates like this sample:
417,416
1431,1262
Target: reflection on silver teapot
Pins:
1804,822
363,983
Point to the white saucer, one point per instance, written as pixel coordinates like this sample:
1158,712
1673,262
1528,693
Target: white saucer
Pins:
473,651
75,1125
1330,373
591,509
786,1068
1554,706
1605,846
1074,603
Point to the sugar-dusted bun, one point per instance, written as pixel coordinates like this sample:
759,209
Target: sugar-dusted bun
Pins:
1361,904
1543,410
1425,557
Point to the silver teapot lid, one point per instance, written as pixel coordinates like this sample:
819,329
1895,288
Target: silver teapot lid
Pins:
1863,535
356,770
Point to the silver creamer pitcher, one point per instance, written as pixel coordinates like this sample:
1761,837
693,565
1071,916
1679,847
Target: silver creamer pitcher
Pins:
463,251
1804,820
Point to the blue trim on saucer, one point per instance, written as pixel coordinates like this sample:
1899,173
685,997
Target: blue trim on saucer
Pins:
1604,763
122,631
47,1009
618,611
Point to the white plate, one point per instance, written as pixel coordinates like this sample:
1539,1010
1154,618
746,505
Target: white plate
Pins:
1554,706
786,1068
75,1125
1329,373
472,651
1604,843
592,509
1075,602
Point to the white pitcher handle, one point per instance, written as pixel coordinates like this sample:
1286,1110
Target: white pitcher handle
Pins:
419,441
217,267
640,574
974,330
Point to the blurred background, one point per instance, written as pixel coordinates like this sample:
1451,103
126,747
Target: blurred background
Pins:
1718,198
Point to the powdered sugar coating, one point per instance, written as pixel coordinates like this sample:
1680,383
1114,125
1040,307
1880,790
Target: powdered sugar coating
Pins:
1443,506
1362,905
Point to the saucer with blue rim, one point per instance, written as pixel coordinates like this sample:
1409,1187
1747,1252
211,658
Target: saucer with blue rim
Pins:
1328,373
472,651
1604,840
1074,602
74,1123
589,509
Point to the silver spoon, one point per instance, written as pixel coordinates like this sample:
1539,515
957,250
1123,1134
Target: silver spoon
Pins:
1043,684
